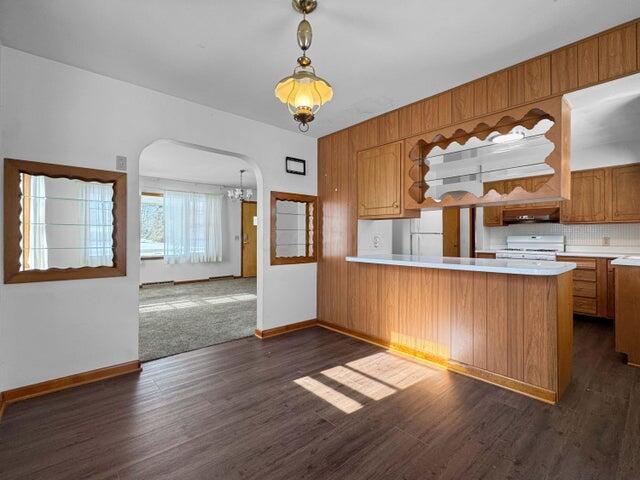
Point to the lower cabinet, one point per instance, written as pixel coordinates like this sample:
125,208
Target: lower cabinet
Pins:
593,292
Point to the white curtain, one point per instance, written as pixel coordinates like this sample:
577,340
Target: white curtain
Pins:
38,252
98,223
192,227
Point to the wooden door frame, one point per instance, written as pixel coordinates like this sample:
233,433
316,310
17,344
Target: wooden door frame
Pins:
242,236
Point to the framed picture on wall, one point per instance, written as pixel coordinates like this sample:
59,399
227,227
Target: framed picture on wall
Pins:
296,166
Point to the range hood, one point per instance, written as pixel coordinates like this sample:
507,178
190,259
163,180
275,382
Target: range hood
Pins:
531,214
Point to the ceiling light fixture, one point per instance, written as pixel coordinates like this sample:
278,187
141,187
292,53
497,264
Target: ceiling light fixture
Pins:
304,92
518,133
240,194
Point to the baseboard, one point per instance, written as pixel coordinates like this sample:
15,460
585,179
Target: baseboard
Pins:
272,332
532,391
50,386
197,280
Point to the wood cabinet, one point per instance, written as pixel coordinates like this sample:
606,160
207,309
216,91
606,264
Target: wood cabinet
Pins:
492,216
379,176
485,255
617,53
624,194
627,282
588,198
592,294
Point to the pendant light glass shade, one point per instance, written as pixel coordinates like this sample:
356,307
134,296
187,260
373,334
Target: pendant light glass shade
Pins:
303,93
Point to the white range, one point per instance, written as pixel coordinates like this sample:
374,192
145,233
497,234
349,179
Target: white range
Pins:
532,247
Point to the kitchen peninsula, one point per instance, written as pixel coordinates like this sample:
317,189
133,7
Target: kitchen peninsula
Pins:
507,322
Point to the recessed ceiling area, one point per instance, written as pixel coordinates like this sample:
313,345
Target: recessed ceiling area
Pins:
173,161
229,55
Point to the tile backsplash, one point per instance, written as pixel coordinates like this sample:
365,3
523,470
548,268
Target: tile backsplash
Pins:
615,235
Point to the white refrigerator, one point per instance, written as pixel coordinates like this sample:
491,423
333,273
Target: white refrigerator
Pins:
426,233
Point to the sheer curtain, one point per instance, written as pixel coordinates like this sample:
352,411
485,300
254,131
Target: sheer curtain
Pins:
98,223
192,227
38,252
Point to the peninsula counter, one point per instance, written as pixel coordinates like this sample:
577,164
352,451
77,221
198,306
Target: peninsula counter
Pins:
507,322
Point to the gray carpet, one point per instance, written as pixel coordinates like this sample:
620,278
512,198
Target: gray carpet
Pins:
180,318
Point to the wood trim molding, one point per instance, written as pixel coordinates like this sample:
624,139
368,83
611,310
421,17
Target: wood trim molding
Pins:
312,229
71,381
272,332
12,236
2,405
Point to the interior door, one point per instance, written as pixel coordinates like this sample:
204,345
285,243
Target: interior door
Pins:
249,240
451,232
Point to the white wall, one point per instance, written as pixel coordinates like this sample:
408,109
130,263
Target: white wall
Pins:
157,270
60,114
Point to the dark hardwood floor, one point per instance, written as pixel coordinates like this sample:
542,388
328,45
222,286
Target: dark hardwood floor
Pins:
314,404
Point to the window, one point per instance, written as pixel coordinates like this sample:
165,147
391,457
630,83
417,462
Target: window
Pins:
151,225
293,228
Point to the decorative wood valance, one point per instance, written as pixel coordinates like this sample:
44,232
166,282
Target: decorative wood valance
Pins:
558,187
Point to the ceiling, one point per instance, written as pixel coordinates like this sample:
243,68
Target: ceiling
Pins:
177,162
378,55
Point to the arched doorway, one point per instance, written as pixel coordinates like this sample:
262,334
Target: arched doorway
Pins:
195,243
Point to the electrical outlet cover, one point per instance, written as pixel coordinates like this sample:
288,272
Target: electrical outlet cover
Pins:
121,163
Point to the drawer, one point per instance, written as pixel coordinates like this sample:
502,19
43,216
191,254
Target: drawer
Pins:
584,289
581,262
584,275
485,255
584,305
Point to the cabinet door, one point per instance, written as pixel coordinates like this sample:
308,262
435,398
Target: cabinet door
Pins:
624,193
587,204
509,185
535,184
379,181
611,291
492,216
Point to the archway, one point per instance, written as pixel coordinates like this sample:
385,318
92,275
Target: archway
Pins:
189,303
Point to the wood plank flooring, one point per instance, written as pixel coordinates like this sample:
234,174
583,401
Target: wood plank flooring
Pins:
315,404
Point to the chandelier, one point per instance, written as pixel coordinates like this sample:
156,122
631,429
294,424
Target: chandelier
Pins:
304,92
240,194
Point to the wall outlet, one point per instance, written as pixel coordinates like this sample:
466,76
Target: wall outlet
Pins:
606,241
377,240
121,163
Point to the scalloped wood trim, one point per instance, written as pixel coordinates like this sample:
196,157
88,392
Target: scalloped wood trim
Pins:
558,186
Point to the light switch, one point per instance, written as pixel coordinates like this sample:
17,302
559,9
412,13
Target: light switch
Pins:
121,163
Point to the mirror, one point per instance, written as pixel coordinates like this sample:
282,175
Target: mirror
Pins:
62,222
65,223
293,228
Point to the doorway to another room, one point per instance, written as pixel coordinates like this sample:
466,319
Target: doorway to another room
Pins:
198,249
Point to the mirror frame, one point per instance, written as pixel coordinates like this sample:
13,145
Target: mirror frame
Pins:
558,187
12,208
293,197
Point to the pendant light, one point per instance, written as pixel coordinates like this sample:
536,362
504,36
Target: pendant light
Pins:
240,194
304,92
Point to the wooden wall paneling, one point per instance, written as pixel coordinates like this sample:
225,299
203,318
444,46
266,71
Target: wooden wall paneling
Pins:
627,330
498,91
480,97
416,328
462,317
497,324
352,167
540,335
388,285
587,52
324,153
388,129
462,103
480,320
444,108
516,85
340,224
617,53
537,78
443,315
564,325
564,70
430,119
364,135
411,119
515,326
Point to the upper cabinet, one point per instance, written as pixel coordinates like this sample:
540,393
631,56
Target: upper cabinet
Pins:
587,204
380,182
617,53
624,188
492,216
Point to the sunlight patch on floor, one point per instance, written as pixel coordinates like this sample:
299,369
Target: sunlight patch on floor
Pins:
181,304
328,394
359,383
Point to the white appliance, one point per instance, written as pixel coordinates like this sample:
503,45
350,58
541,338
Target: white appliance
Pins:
532,247
426,234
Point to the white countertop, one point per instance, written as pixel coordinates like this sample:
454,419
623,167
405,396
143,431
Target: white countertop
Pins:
632,261
594,252
510,266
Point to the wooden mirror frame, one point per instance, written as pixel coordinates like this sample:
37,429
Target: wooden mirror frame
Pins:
313,228
12,209
558,187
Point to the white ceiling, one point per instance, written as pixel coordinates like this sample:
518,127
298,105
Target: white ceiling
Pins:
378,55
176,162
